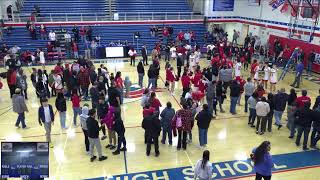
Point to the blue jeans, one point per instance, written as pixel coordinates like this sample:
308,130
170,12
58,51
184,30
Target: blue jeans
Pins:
315,136
63,119
233,104
203,136
121,95
246,103
165,131
76,112
152,82
252,116
21,118
278,116
309,68
140,79
84,92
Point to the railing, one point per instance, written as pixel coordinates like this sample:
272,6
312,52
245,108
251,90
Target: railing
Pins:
128,16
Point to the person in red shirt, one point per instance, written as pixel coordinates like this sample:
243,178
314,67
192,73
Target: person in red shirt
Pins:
241,82
58,69
119,85
170,77
147,110
180,36
197,77
301,100
75,99
216,59
253,67
286,55
75,50
154,102
186,82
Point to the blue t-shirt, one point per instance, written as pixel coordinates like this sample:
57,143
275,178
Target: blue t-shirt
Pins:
265,167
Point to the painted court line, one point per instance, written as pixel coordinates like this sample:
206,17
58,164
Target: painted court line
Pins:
232,169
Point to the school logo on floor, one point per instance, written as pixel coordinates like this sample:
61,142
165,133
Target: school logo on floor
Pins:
229,169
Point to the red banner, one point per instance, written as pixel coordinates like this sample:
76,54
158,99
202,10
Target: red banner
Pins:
292,43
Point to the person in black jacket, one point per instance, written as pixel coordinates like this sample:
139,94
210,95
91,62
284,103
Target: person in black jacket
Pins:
271,103
280,101
119,128
102,110
152,127
317,103
93,135
203,121
220,93
303,123
234,95
61,106
315,135
140,70
152,77
179,64
144,55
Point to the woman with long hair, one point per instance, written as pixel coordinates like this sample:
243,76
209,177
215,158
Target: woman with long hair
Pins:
119,85
203,168
262,159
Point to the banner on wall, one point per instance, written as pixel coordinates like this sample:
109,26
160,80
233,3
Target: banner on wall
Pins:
223,5
276,3
254,2
317,59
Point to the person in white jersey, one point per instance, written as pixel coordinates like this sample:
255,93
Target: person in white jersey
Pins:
266,70
257,72
273,78
237,69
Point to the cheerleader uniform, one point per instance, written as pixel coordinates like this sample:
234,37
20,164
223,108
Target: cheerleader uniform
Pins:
256,73
237,70
266,74
273,76
197,56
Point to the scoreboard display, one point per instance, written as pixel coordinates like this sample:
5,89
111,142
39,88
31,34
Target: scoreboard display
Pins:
27,160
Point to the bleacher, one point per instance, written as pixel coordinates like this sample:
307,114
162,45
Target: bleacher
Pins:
21,37
141,6
55,7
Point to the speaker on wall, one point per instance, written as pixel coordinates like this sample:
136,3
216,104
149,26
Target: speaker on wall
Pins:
307,12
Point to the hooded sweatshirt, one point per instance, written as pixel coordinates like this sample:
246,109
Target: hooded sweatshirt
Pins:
109,118
83,117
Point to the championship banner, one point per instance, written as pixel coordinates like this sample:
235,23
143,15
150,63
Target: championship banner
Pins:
317,59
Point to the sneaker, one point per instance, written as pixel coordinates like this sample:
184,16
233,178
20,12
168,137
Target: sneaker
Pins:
112,147
123,149
290,137
257,132
305,149
162,142
17,126
102,158
108,146
25,127
116,152
261,133
51,145
88,152
279,127
104,137
148,154
222,111
252,126
93,158
298,144
157,154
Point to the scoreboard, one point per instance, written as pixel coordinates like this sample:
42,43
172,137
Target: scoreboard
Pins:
27,160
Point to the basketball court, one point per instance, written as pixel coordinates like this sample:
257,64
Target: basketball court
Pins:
230,140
